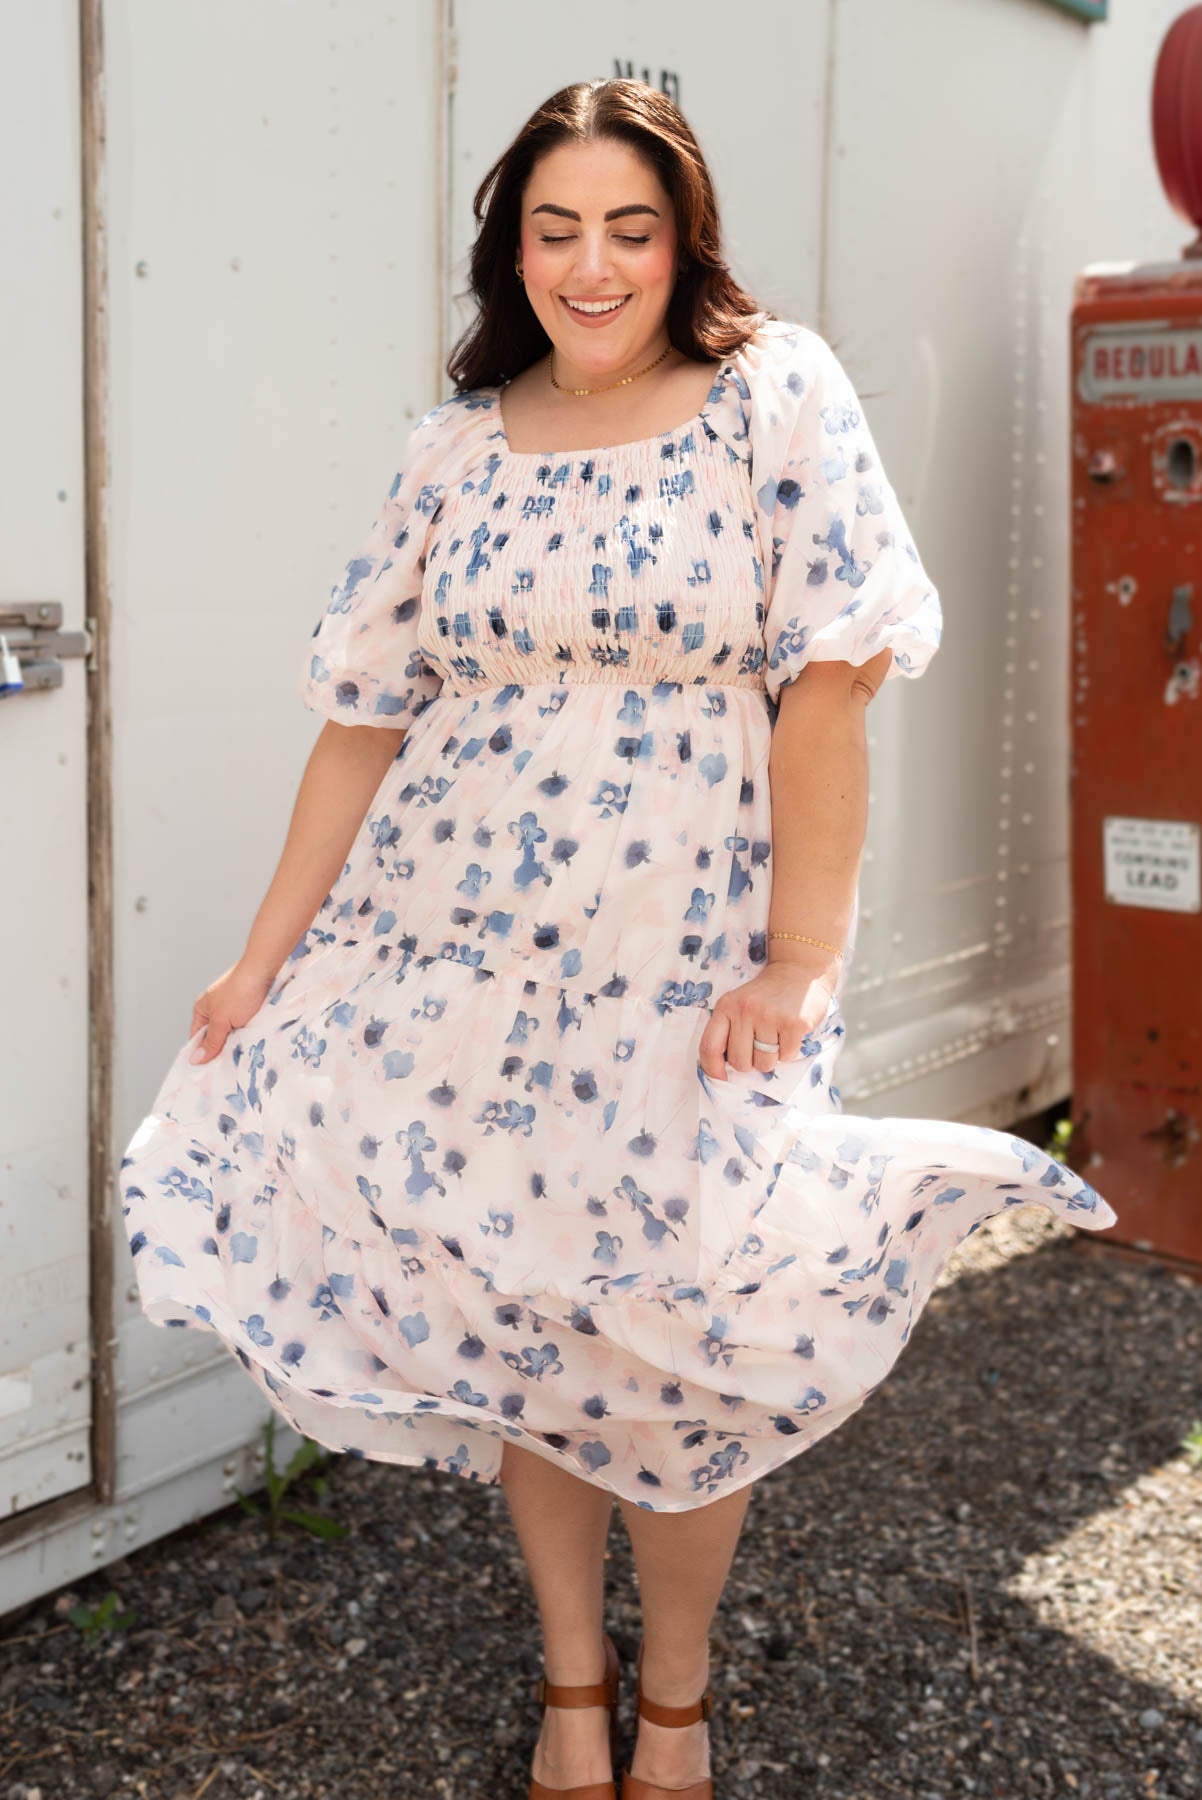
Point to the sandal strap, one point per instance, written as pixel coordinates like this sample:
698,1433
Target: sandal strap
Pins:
676,1715
551,1693
596,1693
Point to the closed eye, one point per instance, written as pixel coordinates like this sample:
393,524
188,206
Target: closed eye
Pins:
620,239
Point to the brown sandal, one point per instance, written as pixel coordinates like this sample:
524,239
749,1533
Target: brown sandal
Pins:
633,1786
602,1693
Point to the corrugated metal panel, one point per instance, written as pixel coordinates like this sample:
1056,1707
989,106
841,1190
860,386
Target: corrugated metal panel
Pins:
45,1390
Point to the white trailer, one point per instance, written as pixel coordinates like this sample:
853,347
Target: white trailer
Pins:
234,242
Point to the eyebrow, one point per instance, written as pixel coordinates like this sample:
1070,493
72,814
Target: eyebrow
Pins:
615,212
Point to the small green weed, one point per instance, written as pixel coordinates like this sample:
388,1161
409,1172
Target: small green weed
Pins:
1057,1146
94,1621
1191,1443
308,1460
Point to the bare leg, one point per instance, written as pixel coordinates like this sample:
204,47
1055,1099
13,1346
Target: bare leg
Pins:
683,1560
562,1522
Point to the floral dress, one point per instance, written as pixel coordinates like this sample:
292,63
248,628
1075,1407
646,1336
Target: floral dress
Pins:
462,1179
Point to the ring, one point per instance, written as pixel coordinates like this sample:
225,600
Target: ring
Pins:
759,1044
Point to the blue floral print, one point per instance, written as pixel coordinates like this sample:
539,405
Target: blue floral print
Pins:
462,1179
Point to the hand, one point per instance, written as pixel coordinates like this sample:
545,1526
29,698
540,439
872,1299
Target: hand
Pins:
232,1000
784,1001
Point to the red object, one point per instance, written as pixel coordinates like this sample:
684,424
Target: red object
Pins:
1136,743
1177,118
1135,710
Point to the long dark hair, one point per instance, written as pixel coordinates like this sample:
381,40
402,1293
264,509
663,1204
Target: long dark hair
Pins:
709,314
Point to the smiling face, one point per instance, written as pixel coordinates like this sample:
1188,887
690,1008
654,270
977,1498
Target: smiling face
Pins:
598,230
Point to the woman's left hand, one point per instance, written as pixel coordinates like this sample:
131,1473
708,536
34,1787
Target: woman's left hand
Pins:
783,1002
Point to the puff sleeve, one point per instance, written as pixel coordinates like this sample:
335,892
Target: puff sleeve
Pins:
363,665
843,577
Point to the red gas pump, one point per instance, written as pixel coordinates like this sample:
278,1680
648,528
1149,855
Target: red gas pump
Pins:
1136,709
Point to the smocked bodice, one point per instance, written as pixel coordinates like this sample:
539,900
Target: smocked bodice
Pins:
635,563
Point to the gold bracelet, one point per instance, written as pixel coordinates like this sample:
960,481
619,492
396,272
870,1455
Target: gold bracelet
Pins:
805,939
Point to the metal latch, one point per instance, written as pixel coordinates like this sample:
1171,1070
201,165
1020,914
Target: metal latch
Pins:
33,644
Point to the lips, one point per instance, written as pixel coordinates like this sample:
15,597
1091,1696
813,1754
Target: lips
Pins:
591,318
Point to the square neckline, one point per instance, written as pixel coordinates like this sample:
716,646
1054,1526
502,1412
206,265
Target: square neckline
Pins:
712,399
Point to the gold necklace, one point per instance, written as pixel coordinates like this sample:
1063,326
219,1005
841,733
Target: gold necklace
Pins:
609,384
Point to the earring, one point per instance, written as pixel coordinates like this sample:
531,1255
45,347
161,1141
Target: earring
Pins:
517,265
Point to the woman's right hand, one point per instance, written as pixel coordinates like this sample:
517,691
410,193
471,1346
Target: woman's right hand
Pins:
232,1000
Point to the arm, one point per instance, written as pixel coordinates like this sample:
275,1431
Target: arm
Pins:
818,773
363,670
345,767
848,605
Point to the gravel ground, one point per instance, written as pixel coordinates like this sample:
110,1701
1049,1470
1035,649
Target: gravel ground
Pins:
987,1582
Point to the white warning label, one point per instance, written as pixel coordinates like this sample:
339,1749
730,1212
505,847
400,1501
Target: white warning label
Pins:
1152,862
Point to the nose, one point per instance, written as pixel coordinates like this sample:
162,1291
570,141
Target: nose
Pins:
594,262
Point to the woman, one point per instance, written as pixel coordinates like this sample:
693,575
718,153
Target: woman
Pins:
510,1147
